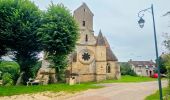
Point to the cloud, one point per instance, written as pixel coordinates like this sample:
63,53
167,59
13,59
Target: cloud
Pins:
118,21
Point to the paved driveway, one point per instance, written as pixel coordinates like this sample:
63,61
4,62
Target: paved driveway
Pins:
120,91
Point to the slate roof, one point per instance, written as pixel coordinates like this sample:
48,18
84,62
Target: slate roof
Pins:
100,40
106,42
142,63
110,56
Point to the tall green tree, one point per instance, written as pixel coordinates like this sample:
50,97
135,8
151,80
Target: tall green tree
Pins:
59,33
3,50
167,56
167,64
19,22
162,60
5,12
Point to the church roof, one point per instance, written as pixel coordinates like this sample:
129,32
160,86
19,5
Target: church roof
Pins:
100,40
84,5
110,56
106,42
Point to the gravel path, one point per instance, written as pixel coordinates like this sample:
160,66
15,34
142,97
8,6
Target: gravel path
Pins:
121,91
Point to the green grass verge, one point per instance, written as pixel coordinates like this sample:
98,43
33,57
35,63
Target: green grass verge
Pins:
16,90
155,96
127,78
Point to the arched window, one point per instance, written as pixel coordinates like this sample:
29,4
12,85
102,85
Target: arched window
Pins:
108,68
86,38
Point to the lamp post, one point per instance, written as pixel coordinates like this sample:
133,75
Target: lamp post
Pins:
0,73
141,24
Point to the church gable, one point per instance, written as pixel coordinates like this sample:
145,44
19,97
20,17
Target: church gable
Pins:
83,8
84,18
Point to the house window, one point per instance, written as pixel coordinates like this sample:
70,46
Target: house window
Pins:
84,24
86,38
140,67
108,68
146,66
153,66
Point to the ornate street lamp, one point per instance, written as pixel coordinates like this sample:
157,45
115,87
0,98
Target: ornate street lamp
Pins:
141,24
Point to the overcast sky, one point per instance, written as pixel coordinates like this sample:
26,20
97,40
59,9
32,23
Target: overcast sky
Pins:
118,21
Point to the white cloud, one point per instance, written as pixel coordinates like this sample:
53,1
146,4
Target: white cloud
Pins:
118,21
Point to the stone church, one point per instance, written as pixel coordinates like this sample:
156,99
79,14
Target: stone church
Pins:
93,59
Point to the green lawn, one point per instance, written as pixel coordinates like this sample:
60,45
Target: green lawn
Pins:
155,96
127,78
16,90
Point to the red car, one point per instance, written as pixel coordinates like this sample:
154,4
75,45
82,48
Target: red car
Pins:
155,75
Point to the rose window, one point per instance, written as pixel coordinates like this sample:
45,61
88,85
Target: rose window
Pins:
86,56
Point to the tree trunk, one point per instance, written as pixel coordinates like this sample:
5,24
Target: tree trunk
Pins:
20,79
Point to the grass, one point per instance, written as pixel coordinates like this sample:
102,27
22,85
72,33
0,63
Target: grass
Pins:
127,79
16,90
155,96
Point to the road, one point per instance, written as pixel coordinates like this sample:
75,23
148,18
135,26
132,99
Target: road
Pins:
120,91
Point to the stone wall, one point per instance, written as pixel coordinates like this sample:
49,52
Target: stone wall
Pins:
100,77
115,70
86,78
82,40
101,53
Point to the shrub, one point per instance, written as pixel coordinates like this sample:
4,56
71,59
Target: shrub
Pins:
11,68
125,69
7,79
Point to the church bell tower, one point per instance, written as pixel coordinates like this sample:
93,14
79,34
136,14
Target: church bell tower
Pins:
84,17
